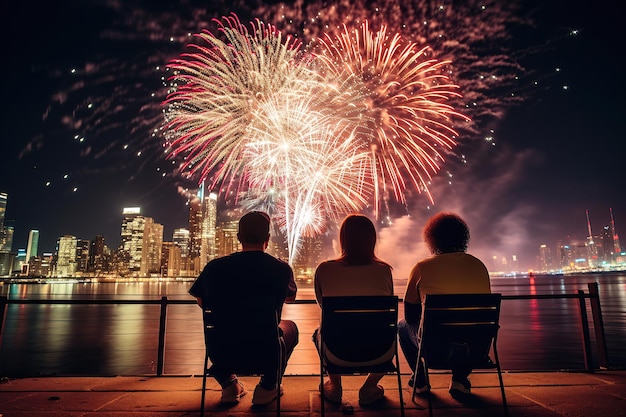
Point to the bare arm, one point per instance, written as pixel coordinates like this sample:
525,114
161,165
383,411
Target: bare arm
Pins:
292,290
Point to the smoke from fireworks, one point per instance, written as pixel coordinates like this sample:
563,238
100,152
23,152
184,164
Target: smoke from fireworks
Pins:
252,111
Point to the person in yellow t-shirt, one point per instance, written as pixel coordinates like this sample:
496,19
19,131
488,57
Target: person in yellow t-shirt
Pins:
450,270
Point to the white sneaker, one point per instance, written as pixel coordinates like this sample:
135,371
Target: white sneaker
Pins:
331,392
232,393
369,395
264,396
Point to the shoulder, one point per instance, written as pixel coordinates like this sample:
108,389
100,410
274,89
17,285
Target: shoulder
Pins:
221,262
330,265
383,266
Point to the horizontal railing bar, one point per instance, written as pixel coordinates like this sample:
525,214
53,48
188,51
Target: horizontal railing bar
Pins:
308,301
163,302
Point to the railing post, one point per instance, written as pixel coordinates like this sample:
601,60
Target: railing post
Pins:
161,349
598,324
584,322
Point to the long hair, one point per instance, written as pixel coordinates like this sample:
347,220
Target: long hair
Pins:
357,237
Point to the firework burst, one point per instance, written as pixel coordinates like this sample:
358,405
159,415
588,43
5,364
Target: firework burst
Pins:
309,137
404,96
250,111
311,161
217,88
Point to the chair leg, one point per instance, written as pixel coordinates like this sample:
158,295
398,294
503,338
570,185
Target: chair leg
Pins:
504,404
279,374
321,386
430,396
202,395
399,383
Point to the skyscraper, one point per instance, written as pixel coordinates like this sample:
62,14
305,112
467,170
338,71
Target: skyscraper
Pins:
66,256
151,248
195,235
3,208
208,251
616,246
97,257
181,239
133,225
202,225
545,258
82,255
33,244
170,260
226,238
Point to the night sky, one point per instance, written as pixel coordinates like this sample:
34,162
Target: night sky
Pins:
82,110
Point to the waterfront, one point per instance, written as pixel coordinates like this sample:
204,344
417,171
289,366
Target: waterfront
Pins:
122,339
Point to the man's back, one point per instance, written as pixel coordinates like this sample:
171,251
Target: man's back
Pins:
242,283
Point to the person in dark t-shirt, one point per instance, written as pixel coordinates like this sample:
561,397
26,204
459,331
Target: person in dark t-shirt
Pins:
246,290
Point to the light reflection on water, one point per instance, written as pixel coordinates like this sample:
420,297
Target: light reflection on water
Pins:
540,334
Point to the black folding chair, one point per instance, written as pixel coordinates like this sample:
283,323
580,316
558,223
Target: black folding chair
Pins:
459,329
251,351
358,335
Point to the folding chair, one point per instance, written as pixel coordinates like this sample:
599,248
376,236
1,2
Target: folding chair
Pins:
250,351
358,335
459,328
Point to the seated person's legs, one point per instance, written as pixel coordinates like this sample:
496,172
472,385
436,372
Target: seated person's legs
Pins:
232,389
265,391
290,335
289,332
407,335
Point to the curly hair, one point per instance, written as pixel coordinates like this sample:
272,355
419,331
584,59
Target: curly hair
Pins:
445,233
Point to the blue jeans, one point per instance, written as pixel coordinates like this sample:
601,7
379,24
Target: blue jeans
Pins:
407,335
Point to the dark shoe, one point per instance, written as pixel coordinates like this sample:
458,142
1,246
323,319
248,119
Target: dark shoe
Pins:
422,386
460,386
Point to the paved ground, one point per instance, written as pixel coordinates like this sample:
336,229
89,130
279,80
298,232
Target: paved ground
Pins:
529,394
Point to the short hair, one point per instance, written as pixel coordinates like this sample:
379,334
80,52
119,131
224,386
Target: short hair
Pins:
446,233
254,227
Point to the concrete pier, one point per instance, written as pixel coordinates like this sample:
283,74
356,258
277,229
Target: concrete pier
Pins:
529,394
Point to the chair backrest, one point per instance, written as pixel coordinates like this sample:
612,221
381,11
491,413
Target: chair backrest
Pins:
250,347
459,328
359,329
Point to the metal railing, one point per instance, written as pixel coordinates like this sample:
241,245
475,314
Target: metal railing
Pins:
164,302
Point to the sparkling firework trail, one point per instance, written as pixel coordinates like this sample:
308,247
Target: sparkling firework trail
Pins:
218,87
250,110
314,165
405,96
474,34
109,99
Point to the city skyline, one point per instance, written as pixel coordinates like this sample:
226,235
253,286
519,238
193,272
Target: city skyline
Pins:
197,230
79,142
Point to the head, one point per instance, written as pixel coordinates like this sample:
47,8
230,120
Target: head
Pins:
254,228
357,237
446,233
